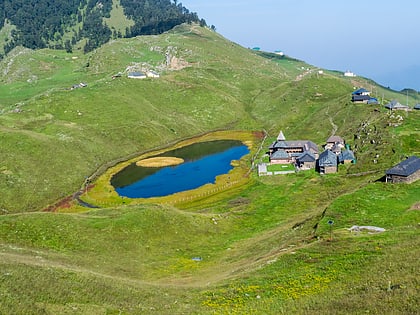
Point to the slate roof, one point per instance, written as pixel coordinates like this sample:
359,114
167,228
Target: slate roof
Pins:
360,98
305,145
406,167
361,92
279,155
373,100
395,105
311,146
296,143
306,157
278,145
335,139
136,74
295,154
327,158
346,155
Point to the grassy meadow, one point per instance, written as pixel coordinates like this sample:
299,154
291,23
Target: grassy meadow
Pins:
250,245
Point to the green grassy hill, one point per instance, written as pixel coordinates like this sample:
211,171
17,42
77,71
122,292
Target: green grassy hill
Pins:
266,247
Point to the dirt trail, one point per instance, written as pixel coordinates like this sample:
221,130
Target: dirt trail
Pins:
228,267
330,119
38,261
334,126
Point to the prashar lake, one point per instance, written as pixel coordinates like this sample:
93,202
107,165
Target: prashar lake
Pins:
202,163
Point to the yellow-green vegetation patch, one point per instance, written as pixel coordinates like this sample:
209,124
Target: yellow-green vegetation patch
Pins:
160,161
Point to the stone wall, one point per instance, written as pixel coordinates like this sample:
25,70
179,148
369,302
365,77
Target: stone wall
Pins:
402,179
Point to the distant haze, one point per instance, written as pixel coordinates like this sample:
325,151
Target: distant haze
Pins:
378,39
400,79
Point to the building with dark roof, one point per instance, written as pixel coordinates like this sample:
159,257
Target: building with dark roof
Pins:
293,148
306,160
361,91
327,162
363,96
360,96
395,105
136,75
334,141
373,101
346,156
407,171
280,157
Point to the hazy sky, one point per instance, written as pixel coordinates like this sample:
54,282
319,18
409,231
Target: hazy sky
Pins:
379,39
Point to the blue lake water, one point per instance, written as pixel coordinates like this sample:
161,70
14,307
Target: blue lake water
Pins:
203,162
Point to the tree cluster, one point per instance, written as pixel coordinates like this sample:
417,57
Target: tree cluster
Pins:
38,22
60,24
158,16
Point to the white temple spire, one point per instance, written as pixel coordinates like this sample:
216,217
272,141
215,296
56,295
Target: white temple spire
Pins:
281,136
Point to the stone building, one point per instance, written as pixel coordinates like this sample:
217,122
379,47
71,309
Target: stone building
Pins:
407,171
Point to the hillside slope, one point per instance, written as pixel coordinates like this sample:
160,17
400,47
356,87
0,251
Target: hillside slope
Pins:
209,83
69,133
264,247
